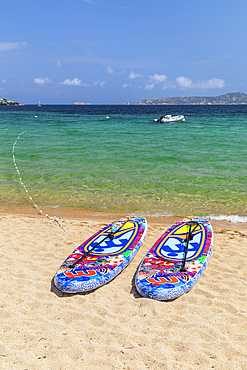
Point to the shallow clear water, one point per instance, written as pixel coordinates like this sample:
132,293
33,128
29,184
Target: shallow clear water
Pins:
73,156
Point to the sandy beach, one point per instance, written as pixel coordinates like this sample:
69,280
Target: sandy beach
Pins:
113,327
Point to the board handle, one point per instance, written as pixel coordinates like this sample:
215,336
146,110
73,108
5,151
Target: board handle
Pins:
190,236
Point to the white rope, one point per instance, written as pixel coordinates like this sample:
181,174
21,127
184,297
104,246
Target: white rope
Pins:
54,218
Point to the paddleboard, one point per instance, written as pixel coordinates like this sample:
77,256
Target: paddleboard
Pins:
176,261
101,257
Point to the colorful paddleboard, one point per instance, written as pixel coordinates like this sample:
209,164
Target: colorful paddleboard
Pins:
103,256
176,261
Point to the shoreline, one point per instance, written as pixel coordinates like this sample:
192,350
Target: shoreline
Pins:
107,216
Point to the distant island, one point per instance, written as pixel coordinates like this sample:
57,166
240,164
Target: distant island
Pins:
227,99
8,102
81,103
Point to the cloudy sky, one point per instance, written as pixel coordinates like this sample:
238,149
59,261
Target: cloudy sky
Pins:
119,51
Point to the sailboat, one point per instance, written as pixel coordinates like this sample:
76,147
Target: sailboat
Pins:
39,105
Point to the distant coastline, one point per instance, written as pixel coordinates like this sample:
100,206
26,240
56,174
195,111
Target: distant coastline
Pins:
237,98
81,103
227,99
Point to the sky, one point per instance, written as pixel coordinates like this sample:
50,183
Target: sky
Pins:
120,51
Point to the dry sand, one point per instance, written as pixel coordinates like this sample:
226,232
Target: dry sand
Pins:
113,327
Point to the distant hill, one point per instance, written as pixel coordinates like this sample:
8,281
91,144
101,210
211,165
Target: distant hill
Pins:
227,99
81,103
8,102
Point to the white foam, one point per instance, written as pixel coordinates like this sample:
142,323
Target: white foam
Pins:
231,218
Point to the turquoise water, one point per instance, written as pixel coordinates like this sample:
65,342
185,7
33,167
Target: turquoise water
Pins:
73,156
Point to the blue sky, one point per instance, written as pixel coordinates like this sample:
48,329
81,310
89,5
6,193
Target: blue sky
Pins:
119,51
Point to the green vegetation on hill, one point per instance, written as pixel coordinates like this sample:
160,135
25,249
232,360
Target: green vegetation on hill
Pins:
7,102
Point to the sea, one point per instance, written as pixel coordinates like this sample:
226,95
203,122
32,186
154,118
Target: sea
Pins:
115,158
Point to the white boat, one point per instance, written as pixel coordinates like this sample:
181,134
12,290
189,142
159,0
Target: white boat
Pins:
169,118
39,105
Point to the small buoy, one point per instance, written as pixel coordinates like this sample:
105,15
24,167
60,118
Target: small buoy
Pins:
35,116
107,117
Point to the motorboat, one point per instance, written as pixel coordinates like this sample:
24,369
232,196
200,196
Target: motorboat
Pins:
168,118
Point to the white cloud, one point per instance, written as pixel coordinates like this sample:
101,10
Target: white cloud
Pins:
157,78
214,83
109,70
3,81
134,75
126,85
59,63
41,80
154,80
75,82
184,82
149,87
99,83
4,46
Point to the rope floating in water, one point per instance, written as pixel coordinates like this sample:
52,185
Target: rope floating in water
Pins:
54,218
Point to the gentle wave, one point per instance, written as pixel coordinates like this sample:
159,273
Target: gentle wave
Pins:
231,218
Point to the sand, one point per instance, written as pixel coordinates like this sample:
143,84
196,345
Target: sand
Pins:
113,327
